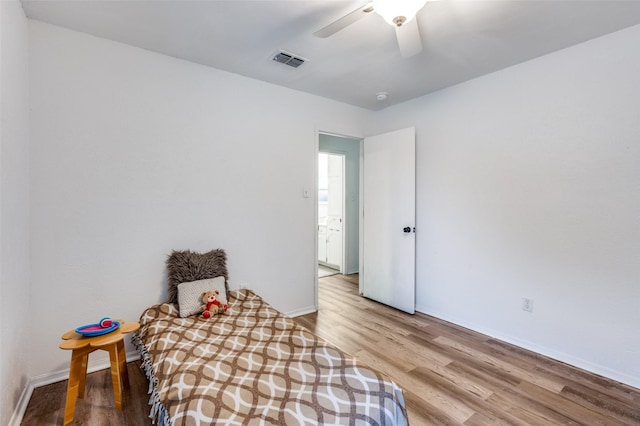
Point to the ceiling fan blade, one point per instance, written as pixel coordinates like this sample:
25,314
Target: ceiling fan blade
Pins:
345,21
409,39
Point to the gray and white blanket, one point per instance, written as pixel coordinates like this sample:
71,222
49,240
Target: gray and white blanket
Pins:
256,366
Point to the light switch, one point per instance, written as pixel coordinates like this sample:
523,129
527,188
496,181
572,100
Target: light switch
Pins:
305,193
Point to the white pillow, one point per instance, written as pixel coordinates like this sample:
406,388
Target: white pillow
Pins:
190,294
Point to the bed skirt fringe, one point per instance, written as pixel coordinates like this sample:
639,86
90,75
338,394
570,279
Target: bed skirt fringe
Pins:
158,411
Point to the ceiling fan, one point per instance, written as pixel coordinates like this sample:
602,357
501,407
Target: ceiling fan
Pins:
399,13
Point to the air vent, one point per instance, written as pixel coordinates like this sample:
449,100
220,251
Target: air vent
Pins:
289,59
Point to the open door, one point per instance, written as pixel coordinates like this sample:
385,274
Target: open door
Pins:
388,271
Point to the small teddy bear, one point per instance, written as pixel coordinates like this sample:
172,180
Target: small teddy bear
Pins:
212,305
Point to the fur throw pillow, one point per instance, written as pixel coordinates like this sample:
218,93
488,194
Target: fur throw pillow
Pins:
185,266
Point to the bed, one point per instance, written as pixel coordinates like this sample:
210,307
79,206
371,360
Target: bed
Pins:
250,365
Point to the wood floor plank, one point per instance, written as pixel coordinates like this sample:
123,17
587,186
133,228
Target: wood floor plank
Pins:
621,410
425,355
456,411
423,413
570,409
507,367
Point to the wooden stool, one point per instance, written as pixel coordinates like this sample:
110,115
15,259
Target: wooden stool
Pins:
81,347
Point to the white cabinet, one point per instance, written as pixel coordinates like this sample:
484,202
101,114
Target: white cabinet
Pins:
330,243
322,243
334,241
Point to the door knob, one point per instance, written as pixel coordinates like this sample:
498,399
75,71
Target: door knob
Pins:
406,229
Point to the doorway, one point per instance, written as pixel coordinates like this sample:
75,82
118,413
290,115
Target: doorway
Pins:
338,226
386,276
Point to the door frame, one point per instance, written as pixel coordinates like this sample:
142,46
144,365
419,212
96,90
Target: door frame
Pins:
318,132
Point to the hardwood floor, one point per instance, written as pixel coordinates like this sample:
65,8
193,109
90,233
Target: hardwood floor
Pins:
450,375
46,406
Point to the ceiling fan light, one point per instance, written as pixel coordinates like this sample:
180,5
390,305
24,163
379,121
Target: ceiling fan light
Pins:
398,12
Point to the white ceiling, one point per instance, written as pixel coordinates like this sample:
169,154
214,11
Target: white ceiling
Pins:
462,39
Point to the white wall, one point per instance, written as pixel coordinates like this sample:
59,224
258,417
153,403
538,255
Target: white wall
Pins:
528,185
135,154
14,205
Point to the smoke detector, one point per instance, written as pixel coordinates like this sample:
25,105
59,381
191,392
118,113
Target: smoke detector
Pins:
382,96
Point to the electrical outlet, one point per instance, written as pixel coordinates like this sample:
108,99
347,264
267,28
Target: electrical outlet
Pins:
243,286
527,304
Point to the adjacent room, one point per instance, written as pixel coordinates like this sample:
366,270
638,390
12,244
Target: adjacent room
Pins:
484,249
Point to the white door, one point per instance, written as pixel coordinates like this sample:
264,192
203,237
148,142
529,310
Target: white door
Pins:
388,272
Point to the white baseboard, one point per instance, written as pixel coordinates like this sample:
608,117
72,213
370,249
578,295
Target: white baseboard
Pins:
300,312
54,377
551,353
21,407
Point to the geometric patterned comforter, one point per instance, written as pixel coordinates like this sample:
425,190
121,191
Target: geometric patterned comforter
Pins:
256,366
